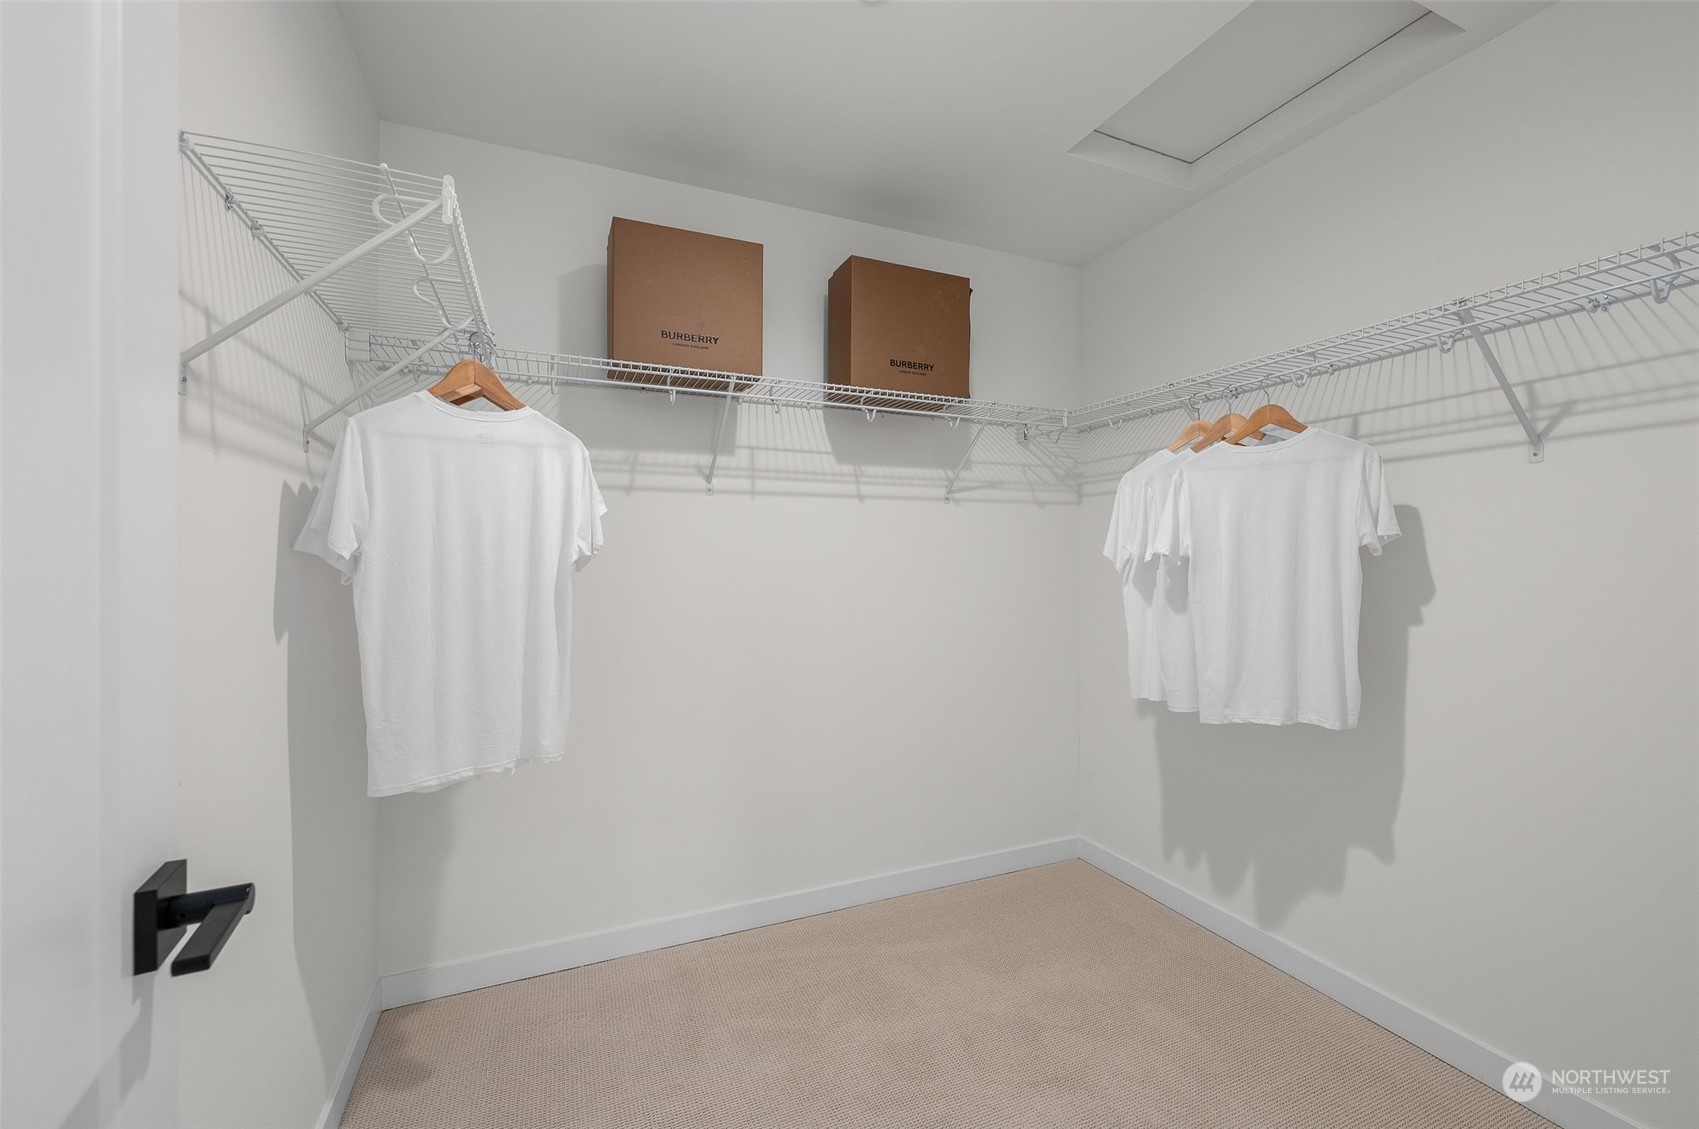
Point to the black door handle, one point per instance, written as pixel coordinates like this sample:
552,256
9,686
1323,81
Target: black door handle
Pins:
164,910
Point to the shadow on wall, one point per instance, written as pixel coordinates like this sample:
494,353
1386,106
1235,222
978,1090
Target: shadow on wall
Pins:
646,442
327,766
126,1064
897,441
583,297
1282,806
250,396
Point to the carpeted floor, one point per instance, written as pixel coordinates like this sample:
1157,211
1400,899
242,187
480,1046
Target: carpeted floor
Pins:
1052,997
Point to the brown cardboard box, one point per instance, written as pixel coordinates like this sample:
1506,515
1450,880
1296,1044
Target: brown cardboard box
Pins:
897,327
683,299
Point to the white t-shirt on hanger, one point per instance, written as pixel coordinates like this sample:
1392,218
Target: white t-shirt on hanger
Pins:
461,529
1273,535
1160,665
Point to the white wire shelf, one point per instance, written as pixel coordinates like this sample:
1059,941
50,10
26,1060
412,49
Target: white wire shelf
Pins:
374,247
405,362
1653,270
398,356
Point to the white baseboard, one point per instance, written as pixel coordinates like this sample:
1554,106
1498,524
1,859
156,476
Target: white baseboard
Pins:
501,968
351,1058
1443,1042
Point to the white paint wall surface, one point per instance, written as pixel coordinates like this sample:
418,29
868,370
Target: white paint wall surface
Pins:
818,674
274,736
1508,841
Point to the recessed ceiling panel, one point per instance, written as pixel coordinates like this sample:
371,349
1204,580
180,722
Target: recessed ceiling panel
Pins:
1261,59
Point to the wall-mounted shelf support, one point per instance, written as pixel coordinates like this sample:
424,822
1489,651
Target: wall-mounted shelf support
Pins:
726,406
316,279
950,486
1536,442
358,240
186,145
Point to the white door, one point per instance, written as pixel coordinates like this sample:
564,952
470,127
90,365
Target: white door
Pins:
89,604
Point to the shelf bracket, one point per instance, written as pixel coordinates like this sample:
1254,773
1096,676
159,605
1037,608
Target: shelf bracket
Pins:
253,226
312,281
1536,442
720,437
950,486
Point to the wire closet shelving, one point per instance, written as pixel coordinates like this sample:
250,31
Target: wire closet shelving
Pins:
530,367
1653,270
385,254
375,248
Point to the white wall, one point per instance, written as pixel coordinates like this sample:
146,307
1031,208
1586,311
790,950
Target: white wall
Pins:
820,673
274,739
1508,841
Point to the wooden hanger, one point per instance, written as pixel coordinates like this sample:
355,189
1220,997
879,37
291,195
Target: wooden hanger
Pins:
1263,417
1189,434
1219,430
471,380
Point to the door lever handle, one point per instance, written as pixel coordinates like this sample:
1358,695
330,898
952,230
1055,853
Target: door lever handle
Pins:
219,912
164,910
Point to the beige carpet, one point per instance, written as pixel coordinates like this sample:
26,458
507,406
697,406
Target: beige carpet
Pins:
1052,997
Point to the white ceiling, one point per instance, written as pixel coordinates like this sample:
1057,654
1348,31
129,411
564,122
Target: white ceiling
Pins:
947,119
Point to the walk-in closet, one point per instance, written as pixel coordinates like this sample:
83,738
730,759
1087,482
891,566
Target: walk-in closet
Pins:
853,564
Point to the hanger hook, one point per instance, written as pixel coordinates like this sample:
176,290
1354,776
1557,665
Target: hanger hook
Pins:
478,344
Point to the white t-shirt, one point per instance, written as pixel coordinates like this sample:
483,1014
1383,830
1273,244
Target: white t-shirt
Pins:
460,529
1273,535
1160,665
